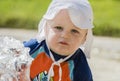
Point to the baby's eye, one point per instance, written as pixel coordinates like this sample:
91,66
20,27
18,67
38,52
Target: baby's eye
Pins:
75,31
59,28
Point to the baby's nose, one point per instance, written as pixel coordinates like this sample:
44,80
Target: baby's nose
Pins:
65,34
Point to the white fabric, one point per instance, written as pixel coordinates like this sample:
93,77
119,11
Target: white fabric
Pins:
79,10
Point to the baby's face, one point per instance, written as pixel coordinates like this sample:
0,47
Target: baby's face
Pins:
63,36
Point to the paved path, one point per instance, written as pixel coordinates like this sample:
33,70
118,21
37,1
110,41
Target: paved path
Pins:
105,54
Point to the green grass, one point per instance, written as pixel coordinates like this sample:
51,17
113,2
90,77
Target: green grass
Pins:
106,17
27,14
22,13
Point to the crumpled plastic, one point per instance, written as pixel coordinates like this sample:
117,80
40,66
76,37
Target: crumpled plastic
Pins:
14,58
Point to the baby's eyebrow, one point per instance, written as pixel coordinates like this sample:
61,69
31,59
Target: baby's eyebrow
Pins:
59,25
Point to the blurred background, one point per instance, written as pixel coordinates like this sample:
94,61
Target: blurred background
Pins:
27,14
23,16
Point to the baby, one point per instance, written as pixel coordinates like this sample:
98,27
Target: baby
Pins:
63,43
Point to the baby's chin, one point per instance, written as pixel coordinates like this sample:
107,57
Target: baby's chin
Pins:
62,53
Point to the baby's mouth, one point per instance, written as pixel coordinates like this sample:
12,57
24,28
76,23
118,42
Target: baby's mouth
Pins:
64,43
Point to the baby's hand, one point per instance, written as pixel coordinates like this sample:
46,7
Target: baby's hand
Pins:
23,73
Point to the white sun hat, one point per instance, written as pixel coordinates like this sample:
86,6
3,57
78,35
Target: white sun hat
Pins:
80,13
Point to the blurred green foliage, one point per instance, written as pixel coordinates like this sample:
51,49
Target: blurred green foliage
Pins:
22,13
106,17
27,14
